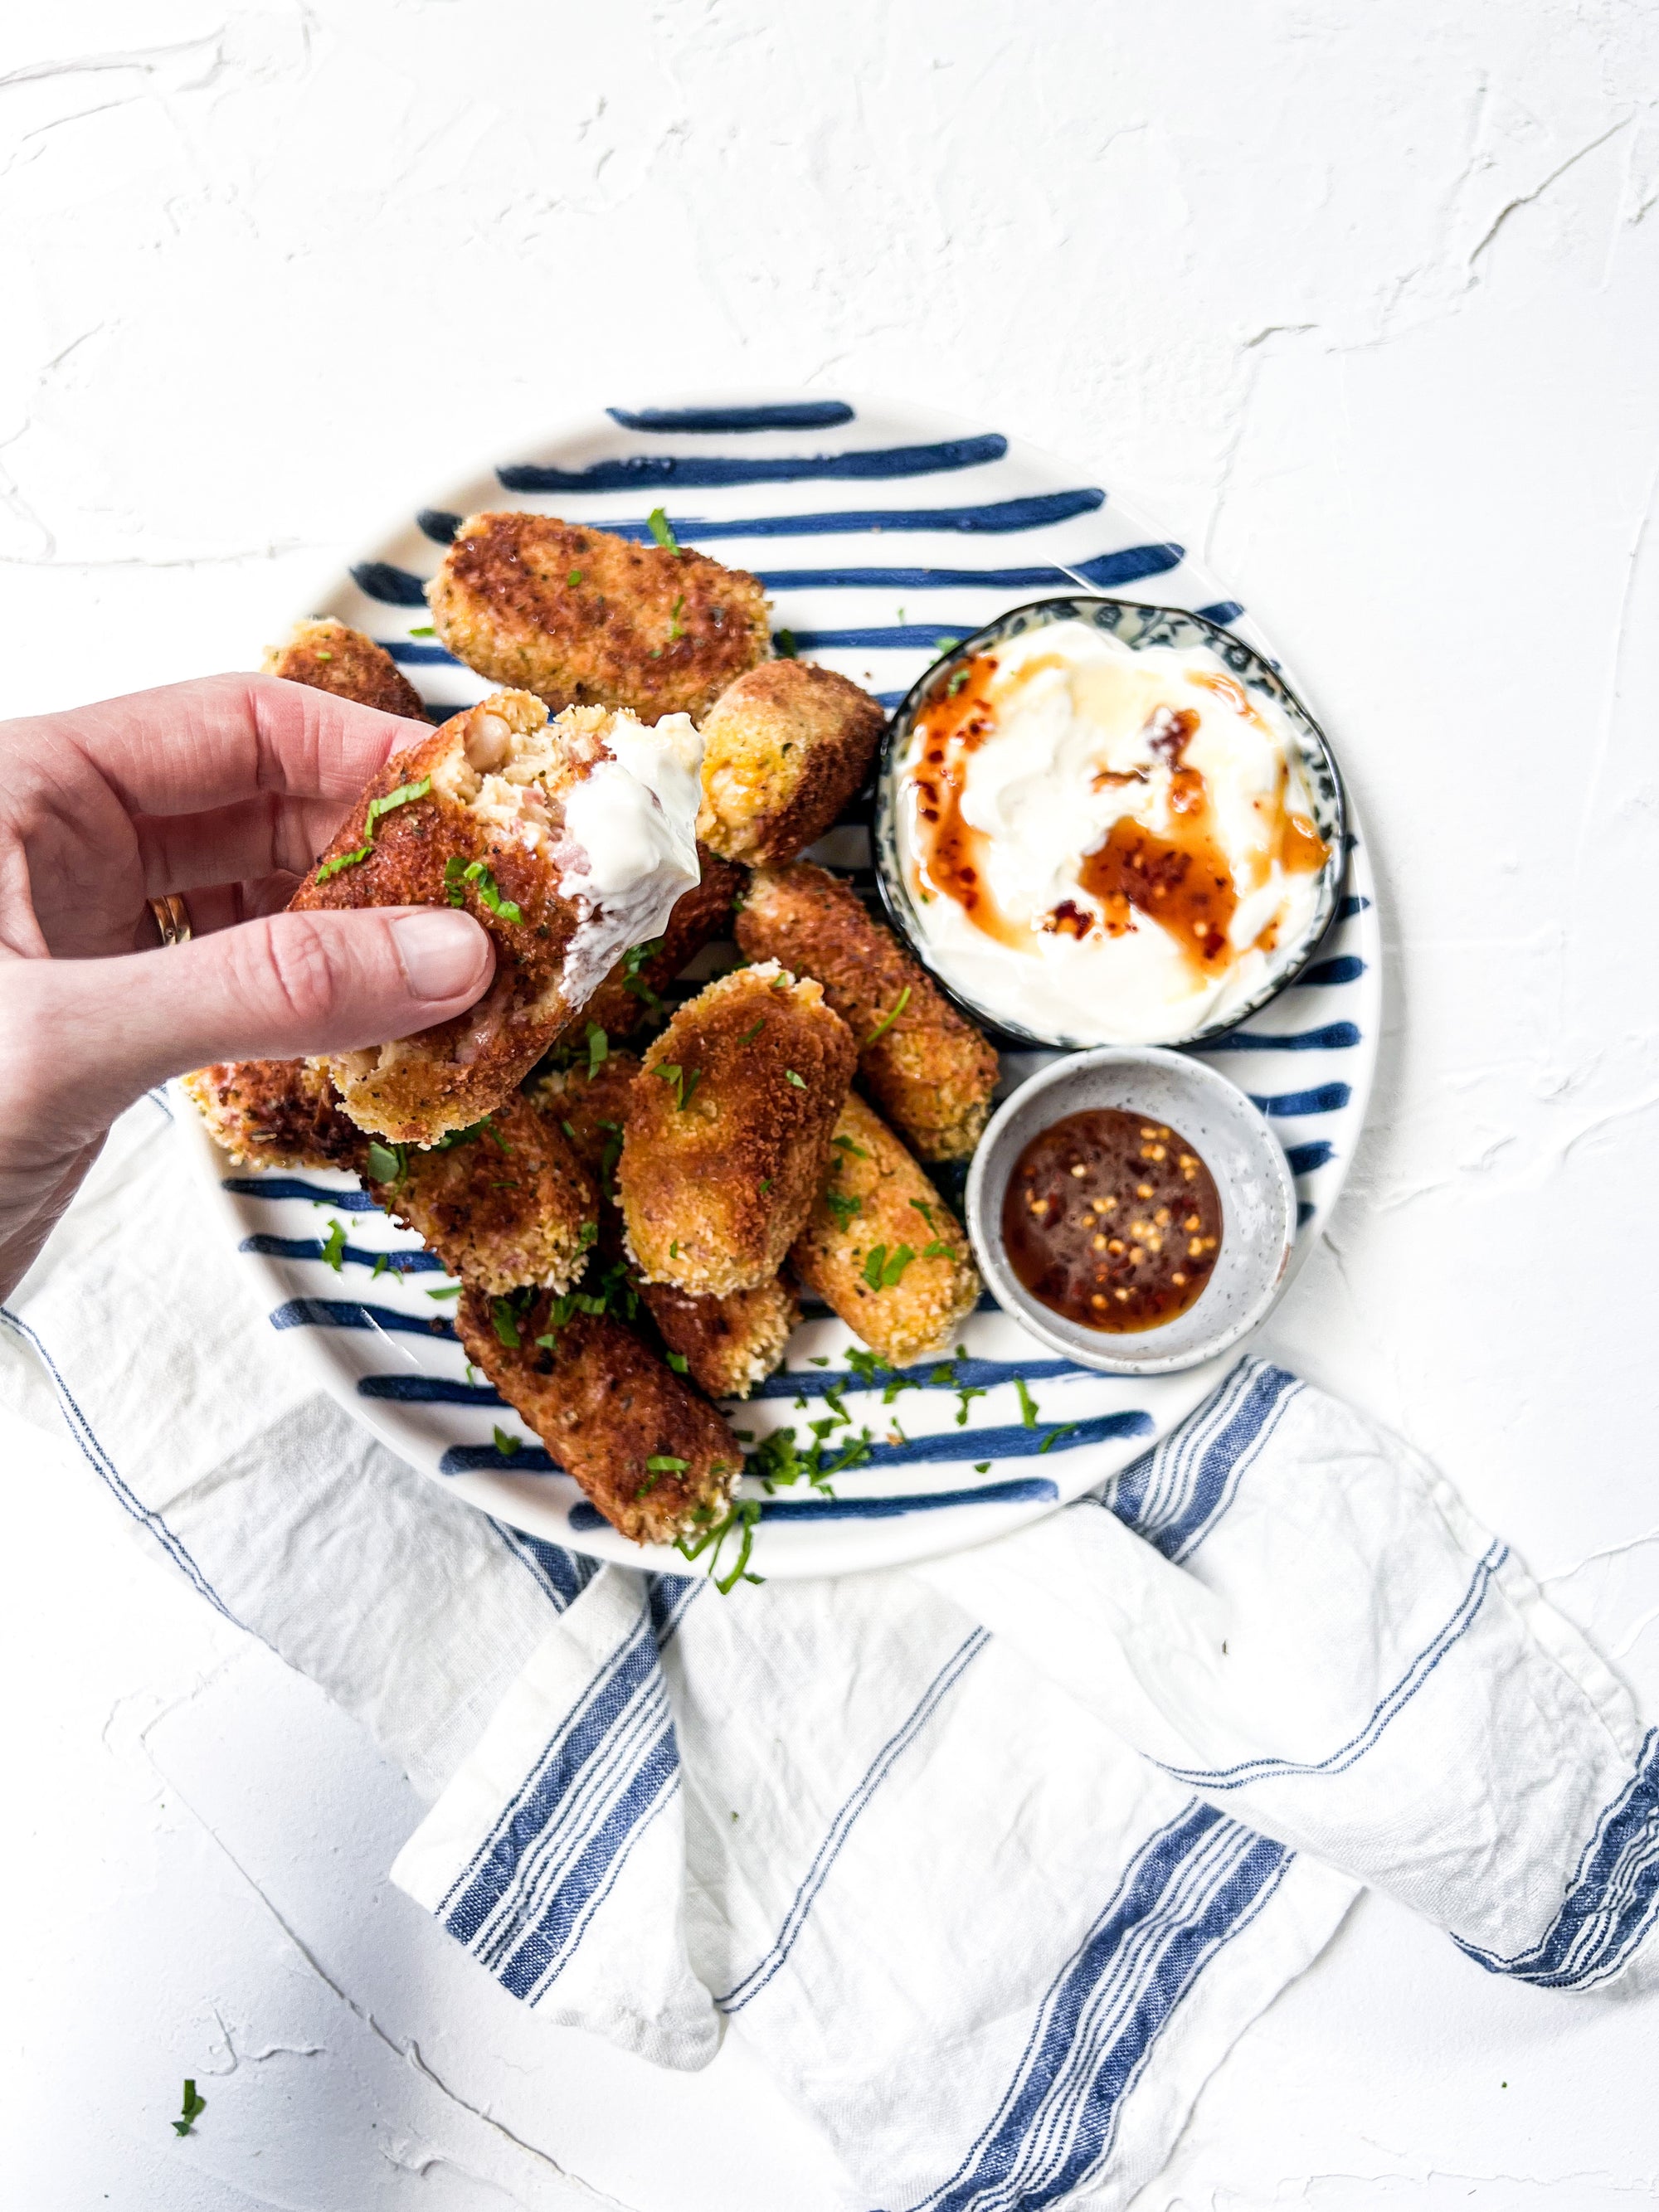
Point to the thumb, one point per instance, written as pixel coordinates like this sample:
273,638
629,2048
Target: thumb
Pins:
274,989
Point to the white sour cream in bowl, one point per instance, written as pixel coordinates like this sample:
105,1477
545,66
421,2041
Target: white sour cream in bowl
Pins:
1107,824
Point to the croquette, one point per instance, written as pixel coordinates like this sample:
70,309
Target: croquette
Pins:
503,1204
584,618
882,1248
927,1067
332,656
784,749
274,1113
656,1459
633,991
728,1344
727,1134
489,812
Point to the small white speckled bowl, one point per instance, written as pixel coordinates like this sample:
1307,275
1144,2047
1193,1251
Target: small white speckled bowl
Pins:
1258,1201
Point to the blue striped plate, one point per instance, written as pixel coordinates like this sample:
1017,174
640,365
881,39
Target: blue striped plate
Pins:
879,530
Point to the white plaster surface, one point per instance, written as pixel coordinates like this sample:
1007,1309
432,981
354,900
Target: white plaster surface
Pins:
1363,300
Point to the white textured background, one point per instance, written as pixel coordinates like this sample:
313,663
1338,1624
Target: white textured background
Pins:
1365,300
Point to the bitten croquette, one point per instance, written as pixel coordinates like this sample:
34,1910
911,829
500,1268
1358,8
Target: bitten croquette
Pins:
784,749
332,656
656,1459
584,618
882,1248
727,1134
927,1067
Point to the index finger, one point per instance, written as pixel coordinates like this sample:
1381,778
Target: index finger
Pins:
186,747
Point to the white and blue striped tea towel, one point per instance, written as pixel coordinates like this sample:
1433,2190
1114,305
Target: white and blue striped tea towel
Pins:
991,1861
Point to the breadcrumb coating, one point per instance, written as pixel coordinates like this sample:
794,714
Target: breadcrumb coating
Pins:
583,618
631,993
506,1204
727,1131
499,774
332,656
274,1113
656,1459
728,1344
882,1248
927,1067
784,749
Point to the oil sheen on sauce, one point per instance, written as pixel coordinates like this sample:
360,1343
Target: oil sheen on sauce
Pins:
1139,859
1112,1220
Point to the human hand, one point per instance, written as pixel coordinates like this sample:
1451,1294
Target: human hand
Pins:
222,791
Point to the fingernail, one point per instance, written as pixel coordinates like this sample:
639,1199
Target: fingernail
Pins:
442,953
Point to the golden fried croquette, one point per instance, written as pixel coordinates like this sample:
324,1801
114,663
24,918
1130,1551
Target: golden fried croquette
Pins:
927,1067
882,1248
491,812
332,656
656,1459
501,1205
584,618
784,749
633,990
274,1113
727,1134
728,1344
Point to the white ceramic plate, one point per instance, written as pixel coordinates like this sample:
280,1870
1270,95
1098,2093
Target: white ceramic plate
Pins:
879,530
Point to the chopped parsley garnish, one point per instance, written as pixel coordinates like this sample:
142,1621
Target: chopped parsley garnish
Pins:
1028,1412
599,1050
575,577
448,1290
790,1076
657,523
684,1085
924,1210
386,1163
674,1249
883,1270
458,873
632,961
378,809
194,2108
749,1035
944,1375
678,1361
766,1185
665,1463
939,1249
382,1261
507,1312
333,1251
425,630
982,1467
505,1444
1055,1436
964,1399
888,1020
786,645
846,1145
569,1128
843,1208
946,644
587,1234
957,683
676,626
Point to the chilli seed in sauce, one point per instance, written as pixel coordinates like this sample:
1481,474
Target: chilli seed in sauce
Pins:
1112,1220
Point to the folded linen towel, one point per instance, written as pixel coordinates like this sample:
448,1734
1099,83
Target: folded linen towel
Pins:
992,1860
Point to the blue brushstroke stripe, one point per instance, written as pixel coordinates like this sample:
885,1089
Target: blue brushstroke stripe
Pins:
1019,1489
1347,968
789,415
350,1313
1221,613
1305,1158
280,1187
1324,1098
876,464
1351,905
427,1390
952,1374
392,587
935,637
1335,1036
355,1255
996,518
417,656
1104,570
1305,1211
